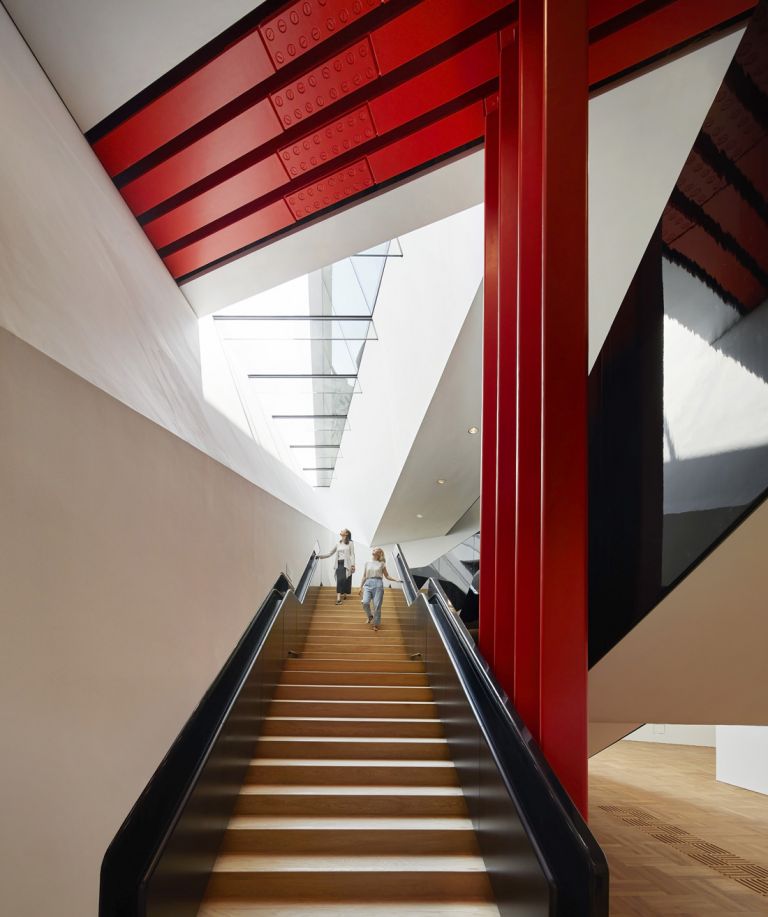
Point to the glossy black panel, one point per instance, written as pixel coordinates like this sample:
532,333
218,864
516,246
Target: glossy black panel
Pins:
679,394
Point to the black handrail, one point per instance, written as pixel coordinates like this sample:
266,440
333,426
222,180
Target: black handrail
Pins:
570,857
134,852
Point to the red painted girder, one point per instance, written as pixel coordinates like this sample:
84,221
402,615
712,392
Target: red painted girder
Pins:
270,219
320,195
466,70
601,11
657,32
245,64
321,146
443,84
431,142
326,84
305,24
425,26
244,133
463,71
264,176
487,587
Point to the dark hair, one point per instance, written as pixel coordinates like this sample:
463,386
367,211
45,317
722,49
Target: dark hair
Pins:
348,537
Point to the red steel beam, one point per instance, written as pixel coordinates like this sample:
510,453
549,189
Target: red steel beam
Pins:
530,215
487,588
563,636
639,32
506,407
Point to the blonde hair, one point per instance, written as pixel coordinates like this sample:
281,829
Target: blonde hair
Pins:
378,551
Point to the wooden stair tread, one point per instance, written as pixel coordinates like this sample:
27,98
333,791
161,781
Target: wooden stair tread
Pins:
373,908
332,822
265,862
317,789
321,763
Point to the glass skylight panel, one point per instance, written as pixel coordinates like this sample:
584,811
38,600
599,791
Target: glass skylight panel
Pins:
295,353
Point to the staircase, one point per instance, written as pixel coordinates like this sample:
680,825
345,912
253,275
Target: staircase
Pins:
352,803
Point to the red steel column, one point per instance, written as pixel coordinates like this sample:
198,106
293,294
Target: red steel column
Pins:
490,382
563,674
506,408
530,215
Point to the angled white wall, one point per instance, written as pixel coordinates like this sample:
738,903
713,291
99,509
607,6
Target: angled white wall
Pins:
80,282
424,299
640,134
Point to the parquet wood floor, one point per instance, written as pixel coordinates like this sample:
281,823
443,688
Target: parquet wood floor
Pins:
657,871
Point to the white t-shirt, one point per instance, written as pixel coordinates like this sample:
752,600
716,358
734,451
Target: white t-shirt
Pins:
374,569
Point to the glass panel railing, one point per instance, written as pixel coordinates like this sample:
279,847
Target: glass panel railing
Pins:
679,393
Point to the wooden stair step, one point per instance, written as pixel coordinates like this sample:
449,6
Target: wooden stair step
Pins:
339,708
351,692
299,677
354,727
351,801
351,772
233,908
371,654
404,836
370,749
329,878
354,665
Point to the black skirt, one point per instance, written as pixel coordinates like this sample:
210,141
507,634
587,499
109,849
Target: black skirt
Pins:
343,582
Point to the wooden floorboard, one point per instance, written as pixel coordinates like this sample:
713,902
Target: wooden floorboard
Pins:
678,843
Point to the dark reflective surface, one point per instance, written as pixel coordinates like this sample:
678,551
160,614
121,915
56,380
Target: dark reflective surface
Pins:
679,394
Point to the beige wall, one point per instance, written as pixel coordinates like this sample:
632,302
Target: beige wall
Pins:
699,656
130,563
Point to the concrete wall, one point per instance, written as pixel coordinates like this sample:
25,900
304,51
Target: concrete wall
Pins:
130,563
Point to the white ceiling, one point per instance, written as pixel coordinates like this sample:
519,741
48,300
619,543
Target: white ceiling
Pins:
100,53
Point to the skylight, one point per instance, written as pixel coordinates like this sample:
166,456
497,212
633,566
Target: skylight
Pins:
294,354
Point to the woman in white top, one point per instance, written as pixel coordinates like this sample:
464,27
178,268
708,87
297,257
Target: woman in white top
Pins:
372,587
345,564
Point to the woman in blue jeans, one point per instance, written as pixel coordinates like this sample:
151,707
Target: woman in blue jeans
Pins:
372,587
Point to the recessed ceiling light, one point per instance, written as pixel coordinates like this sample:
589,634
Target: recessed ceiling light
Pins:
441,481
419,516
473,431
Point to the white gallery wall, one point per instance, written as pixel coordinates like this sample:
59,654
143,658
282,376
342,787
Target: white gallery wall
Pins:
742,757
130,565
